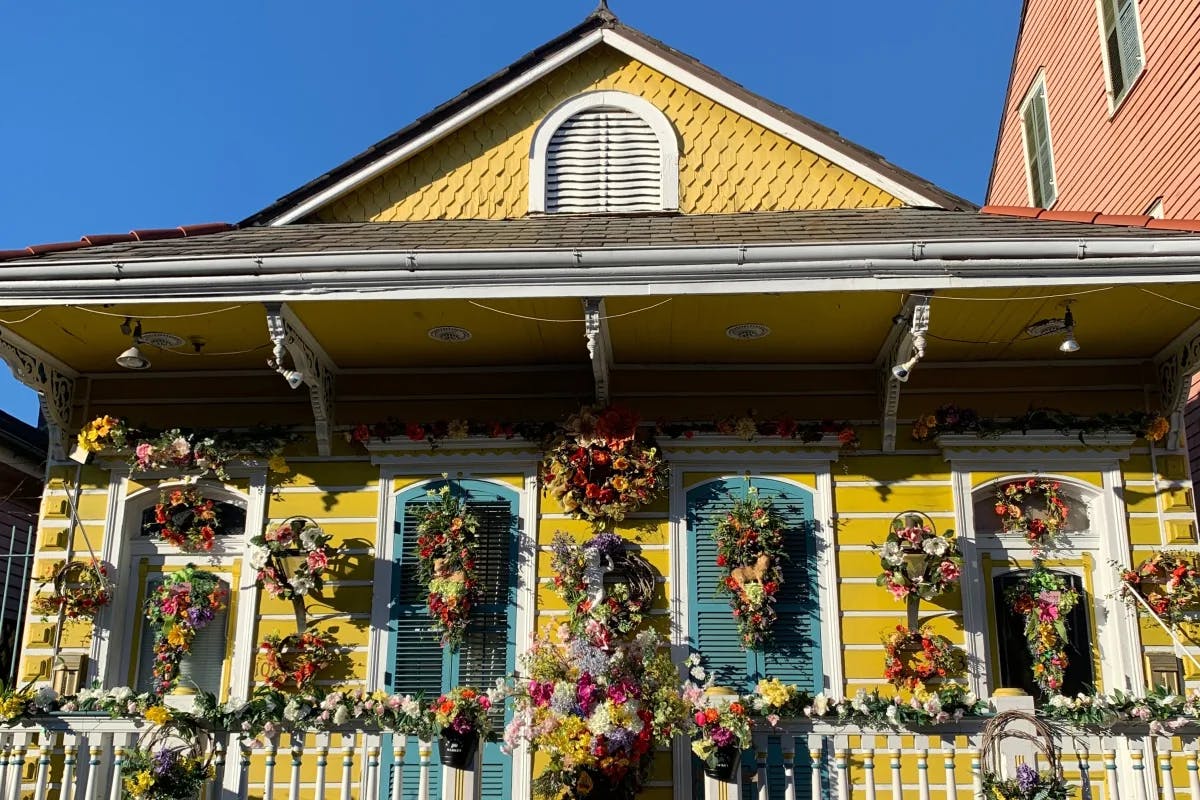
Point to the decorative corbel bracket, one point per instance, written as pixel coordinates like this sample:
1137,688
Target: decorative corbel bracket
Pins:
1176,364
53,380
316,369
599,346
900,342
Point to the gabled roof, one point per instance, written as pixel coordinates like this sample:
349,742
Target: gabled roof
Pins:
603,27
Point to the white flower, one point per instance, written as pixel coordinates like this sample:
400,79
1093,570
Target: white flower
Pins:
935,546
409,706
859,703
310,537
121,694
301,584
258,557
292,711
44,697
697,673
1060,701
341,716
820,704
891,713
180,447
601,721
892,553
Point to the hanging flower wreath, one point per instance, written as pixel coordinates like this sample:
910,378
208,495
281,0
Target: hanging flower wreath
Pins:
1044,599
625,600
750,552
1038,527
184,603
913,658
293,662
291,558
446,549
1169,582
599,471
916,560
186,519
79,590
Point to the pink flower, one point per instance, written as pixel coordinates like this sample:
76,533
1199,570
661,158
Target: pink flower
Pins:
899,592
143,453
700,720
773,719
950,571
317,561
1047,612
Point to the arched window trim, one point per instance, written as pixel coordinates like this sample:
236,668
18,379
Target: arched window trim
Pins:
137,503
664,132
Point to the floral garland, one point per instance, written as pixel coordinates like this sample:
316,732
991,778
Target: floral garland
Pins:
1169,582
185,449
297,659
598,470
80,589
913,658
916,560
952,419
446,552
750,428
185,602
622,610
186,519
750,552
1011,500
947,703
291,558
1044,599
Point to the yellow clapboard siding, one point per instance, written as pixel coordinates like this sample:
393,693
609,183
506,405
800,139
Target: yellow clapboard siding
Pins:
893,499
332,600
1138,468
869,630
76,634
1141,499
91,506
1144,531
870,531
340,504
309,474
90,477
867,597
1093,478
348,632
892,468
350,667
642,531
659,559
726,163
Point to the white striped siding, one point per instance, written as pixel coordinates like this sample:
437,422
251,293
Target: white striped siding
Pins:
604,159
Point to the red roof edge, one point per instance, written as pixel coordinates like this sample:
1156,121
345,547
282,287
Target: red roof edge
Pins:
7,254
154,234
205,228
1135,220
54,247
1175,224
1011,211
1095,218
1069,216
98,239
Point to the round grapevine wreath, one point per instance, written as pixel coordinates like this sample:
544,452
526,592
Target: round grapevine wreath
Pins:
913,658
79,590
750,553
1169,582
291,558
446,551
1038,526
628,585
185,518
294,661
599,471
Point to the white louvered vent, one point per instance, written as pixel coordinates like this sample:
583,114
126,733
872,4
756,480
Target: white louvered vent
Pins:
604,159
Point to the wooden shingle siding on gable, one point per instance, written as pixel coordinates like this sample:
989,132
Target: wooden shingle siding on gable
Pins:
727,163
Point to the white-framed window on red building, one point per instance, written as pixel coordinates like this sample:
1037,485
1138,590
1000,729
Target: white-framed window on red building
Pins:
1039,155
1121,47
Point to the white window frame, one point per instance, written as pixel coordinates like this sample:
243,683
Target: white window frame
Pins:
664,132
1115,102
1039,82
112,643
1155,210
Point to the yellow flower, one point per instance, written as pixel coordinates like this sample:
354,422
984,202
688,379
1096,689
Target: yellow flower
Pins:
140,784
774,692
177,637
278,464
1157,429
619,483
157,714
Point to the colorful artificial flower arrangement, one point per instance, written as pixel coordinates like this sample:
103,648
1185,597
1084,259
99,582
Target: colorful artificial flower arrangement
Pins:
948,418
914,658
722,732
183,449
1029,784
25,701
446,551
464,710
916,560
173,763
624,602
1169,582
291,558
1044,599
598,470
79,590
749,427
184,603
750,553
946,703
952,419
185,518
1012,507
293,662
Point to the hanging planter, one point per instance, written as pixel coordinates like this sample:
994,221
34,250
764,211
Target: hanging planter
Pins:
1168,581
918,563
1028,783
462,717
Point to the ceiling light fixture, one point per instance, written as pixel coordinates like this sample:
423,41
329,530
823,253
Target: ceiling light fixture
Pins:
746,331
132,357
449,333
1052,326
1069,345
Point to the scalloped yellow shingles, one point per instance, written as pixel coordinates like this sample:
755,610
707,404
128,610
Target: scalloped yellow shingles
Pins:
728,164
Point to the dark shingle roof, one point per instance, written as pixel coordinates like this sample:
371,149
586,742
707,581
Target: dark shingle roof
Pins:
561,231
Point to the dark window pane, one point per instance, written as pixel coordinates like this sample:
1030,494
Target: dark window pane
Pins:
1016,664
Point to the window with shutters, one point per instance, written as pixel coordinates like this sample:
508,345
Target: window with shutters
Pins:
604,152
795,655
417,664
1121,47
1039,157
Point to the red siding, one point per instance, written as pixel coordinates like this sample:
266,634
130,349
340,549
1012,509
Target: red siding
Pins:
1149,147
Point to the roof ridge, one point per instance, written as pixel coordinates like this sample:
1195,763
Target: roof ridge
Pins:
1094,218
138,235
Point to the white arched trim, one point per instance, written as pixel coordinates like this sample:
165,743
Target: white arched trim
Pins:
664,132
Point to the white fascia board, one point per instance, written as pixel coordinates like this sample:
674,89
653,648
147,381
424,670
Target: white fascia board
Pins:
438,132
769,121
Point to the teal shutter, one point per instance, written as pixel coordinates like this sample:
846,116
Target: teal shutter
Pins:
418,665
795,656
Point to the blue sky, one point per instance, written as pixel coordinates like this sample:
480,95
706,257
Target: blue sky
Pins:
141,115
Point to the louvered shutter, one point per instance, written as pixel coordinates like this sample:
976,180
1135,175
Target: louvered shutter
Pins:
1037,146
202,668
1130,43
604,159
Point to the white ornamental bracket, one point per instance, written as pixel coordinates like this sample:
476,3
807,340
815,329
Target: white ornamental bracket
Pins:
901,343
53,380
311,366
599,346
1176,364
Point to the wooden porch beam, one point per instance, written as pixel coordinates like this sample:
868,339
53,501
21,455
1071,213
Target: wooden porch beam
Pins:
311,365
599,346
906,337
53,380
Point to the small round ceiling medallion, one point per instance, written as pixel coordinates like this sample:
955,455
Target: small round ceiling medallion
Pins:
161,340
449,333
747,330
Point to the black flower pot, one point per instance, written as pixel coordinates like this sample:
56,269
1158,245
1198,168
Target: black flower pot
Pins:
725,763
458,749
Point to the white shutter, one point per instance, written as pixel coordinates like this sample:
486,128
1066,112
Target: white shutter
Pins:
1129,41
604,159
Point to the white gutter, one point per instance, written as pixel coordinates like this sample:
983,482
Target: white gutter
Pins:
576,272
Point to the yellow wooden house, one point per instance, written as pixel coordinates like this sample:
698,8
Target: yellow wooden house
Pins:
607,220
